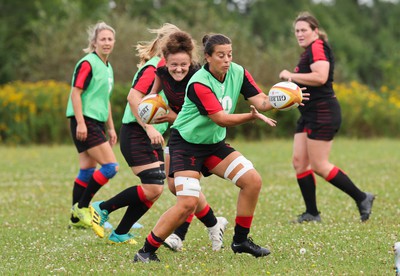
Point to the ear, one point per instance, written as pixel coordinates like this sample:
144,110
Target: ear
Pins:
208,58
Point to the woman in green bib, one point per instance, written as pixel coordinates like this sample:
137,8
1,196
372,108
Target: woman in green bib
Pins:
90,116
197,146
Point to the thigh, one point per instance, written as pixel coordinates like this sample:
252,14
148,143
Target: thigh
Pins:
103,154
95,136
318,153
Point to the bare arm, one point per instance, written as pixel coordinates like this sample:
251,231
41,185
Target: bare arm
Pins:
110,127
81,129
260,102
227,120
318,76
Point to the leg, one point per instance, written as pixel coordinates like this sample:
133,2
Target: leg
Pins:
188,190
319,156
241,171
305,178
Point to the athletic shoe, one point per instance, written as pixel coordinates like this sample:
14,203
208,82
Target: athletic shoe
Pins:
216,233
114,238
307,217
248,246
365,206
146,257
174,242
99,217
77,225
83,214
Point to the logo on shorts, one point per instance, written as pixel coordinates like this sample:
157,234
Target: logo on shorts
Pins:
192,161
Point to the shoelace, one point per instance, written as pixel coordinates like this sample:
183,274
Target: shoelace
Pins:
252,244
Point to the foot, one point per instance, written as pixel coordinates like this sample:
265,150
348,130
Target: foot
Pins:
248,246
75,223
365,207
83,214
216,233
128,238
145,257
307,217
99,217
174,242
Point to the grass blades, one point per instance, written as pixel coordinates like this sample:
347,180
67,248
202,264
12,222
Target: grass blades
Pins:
36,189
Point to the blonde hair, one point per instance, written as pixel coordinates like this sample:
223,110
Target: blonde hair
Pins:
149,49
313,22
93,32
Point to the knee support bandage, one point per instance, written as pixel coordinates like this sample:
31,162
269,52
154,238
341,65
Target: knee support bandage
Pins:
237,168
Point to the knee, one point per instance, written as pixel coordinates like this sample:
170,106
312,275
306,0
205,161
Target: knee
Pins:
152,176
152,192
251,182
109,170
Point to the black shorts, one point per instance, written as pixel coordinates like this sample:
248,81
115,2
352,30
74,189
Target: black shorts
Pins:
195,157
136,146
320,119
95,134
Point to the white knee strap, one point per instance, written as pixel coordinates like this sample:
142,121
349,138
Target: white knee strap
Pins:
242,161
190,186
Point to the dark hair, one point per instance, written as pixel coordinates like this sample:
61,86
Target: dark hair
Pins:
179,42
210,40
313,22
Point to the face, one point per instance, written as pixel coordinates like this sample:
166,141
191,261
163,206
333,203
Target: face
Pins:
304,34
220,60
178,65
104,43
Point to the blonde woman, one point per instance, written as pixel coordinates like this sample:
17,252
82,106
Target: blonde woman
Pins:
89,111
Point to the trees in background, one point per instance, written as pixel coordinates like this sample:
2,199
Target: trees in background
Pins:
43,39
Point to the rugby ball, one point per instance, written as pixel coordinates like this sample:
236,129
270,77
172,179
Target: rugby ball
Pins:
285,95
151,107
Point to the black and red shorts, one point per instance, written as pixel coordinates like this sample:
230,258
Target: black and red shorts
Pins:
321,119
95,134
202,158
136,146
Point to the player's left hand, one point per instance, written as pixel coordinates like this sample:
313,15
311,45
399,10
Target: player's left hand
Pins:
113,137
262,117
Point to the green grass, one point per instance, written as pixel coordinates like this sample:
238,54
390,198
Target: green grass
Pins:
35,198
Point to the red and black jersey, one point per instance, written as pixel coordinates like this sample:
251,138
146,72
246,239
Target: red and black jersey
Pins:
174,90
83,75
145,79
318,50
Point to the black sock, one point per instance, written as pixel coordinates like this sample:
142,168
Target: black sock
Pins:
134,212
241,234
306,181
147,247
209,219
92,188
77,192
182,230
340,180
120,200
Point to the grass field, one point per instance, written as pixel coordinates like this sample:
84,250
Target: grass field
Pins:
35,199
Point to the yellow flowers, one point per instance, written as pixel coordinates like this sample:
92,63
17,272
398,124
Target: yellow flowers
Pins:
33,112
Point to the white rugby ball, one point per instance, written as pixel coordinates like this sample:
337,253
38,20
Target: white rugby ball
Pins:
285,95
151,107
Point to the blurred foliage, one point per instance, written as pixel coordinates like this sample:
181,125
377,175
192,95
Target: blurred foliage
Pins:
35,113
43,39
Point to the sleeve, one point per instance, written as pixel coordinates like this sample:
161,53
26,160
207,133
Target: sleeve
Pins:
249,86
318,51
83,75
204,98
145,79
